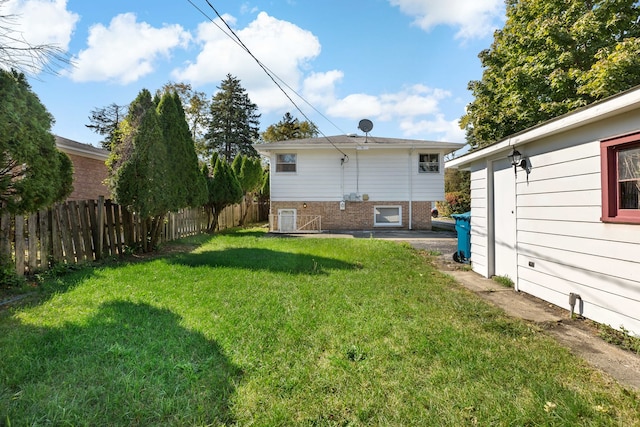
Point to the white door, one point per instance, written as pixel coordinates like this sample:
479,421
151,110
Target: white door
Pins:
504,220
287,220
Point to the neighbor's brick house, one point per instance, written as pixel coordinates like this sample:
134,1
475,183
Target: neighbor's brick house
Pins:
89,169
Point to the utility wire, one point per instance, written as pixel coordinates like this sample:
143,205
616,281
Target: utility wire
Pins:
273,76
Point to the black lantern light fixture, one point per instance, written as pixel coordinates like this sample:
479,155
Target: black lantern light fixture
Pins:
516,160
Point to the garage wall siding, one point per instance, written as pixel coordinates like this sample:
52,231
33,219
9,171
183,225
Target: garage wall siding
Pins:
562,245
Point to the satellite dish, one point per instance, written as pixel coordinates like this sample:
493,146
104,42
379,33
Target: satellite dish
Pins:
365,125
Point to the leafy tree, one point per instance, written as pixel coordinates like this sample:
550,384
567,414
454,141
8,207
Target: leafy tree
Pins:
234,123
18,54
456,180
224,189
551,57
248,171
186,184
33,173
289,128
105,121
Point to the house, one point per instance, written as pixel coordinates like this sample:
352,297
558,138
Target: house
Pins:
350,182
89,169
563,222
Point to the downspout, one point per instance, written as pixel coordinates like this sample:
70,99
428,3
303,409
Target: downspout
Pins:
342,161
410,190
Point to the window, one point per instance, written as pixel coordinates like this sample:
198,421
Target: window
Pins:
620,159
429,163
387,216
286,163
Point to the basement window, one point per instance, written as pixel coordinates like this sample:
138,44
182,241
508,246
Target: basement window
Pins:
620,169
387,216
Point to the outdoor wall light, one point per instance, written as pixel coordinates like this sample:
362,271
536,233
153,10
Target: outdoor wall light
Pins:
304,205
516,160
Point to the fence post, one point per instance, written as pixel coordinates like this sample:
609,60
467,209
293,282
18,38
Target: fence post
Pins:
45,237
19,236
5,238
32,240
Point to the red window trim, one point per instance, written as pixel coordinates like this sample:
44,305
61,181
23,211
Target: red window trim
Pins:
609,176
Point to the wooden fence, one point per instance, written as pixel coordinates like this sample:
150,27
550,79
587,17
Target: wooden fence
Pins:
88,230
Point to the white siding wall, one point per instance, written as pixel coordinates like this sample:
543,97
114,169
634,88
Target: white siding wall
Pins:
480,220
563,247
560,232
381,174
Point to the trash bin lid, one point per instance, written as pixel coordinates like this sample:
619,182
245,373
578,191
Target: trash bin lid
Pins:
462,216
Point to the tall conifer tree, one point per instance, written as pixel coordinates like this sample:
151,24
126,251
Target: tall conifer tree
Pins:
234,123
139,167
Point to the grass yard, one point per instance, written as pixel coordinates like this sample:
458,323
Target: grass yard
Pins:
252,330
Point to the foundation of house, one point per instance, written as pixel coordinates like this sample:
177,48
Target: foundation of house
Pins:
359,215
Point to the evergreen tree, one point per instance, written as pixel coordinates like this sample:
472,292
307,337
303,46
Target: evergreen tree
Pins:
139,167
289,128
186,187
196,109
234,123
248,171
551,57
33,173
223,187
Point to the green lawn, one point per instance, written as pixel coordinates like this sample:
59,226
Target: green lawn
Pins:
253,330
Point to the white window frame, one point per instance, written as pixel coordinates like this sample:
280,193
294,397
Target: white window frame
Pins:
426,166
387,224
280,164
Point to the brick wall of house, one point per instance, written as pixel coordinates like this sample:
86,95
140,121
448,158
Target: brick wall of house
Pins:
358,215
88,177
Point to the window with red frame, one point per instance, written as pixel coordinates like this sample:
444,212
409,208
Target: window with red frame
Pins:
620,158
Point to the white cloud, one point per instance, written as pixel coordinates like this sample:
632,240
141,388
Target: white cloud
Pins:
283,47
126,50
473,18
25,22
413,101
416,109
319,88
449,129
357,106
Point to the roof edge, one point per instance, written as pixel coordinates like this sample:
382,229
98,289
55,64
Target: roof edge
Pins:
614,105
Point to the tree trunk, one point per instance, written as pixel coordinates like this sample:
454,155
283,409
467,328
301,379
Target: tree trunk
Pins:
212,220
155,230
248,202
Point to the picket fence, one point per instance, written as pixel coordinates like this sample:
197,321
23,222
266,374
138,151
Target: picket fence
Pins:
87,230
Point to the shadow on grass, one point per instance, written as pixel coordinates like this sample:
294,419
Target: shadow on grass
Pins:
130,364
262,259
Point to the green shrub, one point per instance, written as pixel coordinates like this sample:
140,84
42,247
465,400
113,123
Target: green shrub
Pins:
455,202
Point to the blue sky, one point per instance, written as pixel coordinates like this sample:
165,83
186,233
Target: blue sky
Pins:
403,64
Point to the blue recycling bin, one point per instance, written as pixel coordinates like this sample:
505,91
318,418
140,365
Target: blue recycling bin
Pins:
463,229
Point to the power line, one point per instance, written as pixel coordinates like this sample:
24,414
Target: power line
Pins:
273,76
